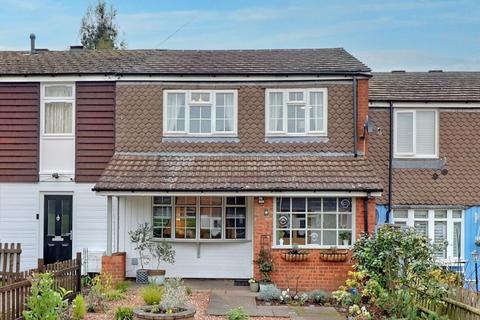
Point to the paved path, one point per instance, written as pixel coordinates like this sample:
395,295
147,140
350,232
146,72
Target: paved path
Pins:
221,301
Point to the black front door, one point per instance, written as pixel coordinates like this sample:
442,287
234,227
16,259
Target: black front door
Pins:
57,228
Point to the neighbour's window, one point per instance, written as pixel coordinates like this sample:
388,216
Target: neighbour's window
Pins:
200,112
296,112
442,226
215,218
416,133
58,101
314,221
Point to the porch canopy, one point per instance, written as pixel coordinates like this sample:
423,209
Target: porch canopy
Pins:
236,173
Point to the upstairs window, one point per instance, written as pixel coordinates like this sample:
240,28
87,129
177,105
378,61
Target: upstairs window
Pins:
58,101
199,112
296,112
416,134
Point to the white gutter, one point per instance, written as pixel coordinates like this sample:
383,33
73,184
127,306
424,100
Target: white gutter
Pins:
429,105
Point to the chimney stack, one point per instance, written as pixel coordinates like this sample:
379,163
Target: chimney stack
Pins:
32,43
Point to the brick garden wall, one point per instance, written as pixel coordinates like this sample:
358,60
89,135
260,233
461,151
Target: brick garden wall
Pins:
314,273
115,265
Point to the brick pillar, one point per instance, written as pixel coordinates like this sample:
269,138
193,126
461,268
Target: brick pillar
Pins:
115,265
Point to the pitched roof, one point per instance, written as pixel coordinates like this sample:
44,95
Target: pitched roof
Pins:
185,62
235,172
425,86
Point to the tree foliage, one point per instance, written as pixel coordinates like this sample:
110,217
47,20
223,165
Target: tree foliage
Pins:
99,30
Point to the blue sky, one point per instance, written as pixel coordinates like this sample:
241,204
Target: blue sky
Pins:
386,35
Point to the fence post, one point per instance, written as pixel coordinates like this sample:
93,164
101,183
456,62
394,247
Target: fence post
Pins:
41,266
79,271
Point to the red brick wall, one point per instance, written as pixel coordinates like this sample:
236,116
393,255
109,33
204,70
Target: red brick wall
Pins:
314,273
362,112
114,265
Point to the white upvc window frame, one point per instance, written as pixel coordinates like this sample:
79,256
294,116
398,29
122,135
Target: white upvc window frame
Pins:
315,246
286,102
410,222
211,103
198,221
44,100
414,154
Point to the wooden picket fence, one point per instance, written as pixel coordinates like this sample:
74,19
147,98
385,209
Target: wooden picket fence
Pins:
15,286
9,261
459,304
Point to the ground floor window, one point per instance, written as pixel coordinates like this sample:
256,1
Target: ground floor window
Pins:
443,226
202,218
313,221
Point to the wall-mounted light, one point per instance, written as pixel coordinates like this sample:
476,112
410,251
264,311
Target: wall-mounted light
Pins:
261,200
265,212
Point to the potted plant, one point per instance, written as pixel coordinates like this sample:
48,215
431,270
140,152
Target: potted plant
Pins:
173,305
141,238
265,266
253,285
477,241
161,251
345,237
334,254
295,254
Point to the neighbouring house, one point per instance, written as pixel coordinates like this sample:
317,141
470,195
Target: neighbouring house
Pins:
224,152
424,146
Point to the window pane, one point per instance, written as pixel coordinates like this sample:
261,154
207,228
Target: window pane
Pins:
457,239
211,201
344,221
211,222
296,118
299,237
283,237
66,214
440,214
314,204
202,97
314,237
422,227
330,221
298,221
283,204
295,96
162,200
51,217
200,119
224,112
420,214
275,111
400,214
58,117
298,204
329,204
456,214
58,91
185,219
162,221
425,132
405,132
329,238
440,238
345,204
314,221
175,111
283,221
316,111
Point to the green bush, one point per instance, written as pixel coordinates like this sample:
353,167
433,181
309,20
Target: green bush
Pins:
44,303
114,295
237,314
122,286
318,296
79,308
124,313
175,295
152,294
270,293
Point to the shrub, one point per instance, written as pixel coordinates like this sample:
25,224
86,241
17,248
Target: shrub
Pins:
237,314
79,308
122,286
44,302
265,265
114,295
270,293
175,295
124,313
318,296
152,294
95,297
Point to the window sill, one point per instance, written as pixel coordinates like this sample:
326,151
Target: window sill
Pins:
417,163
193,139
296,139
312,248
204,240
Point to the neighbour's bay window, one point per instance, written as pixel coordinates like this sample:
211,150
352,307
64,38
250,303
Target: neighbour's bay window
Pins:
416,134
314,221
58,109
200,112
442,226
199,218
296,112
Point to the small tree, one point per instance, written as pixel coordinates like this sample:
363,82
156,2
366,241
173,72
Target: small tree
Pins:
141,238
265,265
98,29
162,251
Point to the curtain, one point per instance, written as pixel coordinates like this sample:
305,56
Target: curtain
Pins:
405,132
276,111
425,132
316,111
224,112
175,112
58,117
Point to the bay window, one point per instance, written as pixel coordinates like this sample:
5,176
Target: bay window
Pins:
314,221
442,226
296,112
200,112
415,133
200,218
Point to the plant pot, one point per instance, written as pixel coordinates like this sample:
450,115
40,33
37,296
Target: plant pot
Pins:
264,285
254,287
156,276
142,276
295,257
334,255
144,313
346,242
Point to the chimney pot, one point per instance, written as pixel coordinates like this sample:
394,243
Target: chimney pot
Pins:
32,43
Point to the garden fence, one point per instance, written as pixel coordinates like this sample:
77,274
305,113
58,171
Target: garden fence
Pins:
15,288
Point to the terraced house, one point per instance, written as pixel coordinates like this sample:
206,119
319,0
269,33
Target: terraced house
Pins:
227,153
